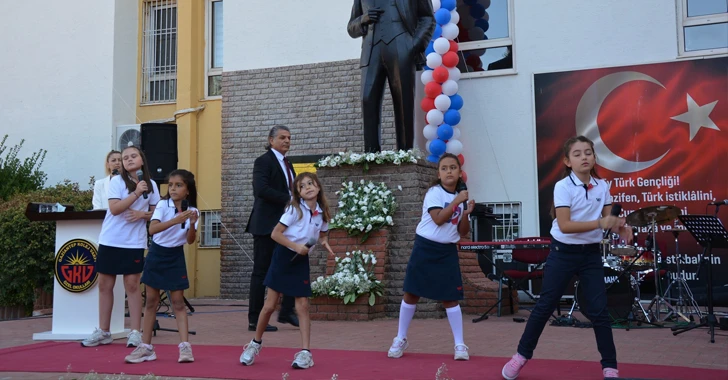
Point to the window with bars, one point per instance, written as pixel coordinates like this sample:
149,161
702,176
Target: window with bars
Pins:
485,41
159,52
702,27
508,215
213,54
211,230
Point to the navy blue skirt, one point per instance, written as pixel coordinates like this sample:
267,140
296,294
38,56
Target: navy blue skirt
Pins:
165,268
433,271
291,278
115,260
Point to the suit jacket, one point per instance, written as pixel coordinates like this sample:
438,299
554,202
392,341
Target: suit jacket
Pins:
270,190
416,16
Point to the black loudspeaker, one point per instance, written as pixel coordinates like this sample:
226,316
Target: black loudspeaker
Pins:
159,144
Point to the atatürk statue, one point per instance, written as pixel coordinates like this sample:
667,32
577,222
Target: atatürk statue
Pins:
396,33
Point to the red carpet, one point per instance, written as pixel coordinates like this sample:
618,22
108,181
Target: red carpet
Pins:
222,362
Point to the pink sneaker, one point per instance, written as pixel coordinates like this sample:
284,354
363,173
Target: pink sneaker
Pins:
513,367
610,373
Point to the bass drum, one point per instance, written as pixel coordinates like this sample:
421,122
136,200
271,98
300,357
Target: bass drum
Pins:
622,289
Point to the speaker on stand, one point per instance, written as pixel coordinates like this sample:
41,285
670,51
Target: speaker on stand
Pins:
159,144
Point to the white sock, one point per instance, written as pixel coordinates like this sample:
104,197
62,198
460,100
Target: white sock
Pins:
455,317
406,312
148,346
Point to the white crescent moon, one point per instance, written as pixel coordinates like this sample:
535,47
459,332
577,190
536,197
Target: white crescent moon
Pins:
586,120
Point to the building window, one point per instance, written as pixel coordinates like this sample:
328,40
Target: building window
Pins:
159,52
508,225
485,40
211,229
213,56
702,27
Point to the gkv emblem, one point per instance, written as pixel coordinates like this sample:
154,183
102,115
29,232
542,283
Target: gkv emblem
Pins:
75,265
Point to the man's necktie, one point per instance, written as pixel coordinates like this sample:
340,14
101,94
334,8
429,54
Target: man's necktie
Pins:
288,174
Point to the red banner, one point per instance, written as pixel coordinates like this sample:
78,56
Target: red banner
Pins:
661,138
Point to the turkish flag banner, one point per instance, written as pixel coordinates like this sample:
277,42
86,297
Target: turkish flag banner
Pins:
661,138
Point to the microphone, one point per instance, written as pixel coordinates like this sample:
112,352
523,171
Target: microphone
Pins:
462,187
140,177
310,243
719,203
184,206
616,210
115,172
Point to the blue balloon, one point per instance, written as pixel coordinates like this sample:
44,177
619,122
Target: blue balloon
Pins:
430,48
482,24
477,11
437,147
456,102
437,33
432,158
442,16
452,117
425,67
447,4
444,132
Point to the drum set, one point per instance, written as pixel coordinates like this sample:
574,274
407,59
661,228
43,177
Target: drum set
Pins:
627,266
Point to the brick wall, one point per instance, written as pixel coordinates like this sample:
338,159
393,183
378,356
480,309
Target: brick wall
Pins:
319,102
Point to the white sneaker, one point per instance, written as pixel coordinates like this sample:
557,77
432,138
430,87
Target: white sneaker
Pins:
302,360
134,339
97,337
397,348
461,352
250,351
141,354
185,353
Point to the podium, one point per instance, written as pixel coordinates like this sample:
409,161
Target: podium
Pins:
76,311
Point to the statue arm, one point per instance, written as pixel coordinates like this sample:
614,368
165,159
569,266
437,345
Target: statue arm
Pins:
425,24
355,28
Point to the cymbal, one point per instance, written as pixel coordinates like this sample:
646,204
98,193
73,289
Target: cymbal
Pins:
646,215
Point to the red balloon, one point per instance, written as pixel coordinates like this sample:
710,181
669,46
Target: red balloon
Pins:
440,74
474,61
461,158
453,46
464,176
433,89
427,104
450,59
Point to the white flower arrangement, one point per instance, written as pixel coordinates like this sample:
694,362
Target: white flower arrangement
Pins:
386,156
364,208
353,276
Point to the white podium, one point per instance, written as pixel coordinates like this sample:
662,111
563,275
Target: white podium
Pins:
75,315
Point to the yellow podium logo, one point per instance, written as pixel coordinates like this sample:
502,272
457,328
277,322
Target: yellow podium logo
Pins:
76,265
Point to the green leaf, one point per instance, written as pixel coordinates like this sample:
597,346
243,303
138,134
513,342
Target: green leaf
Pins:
371,299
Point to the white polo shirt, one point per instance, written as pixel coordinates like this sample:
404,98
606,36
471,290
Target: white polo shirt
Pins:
586,203
438,198
176,235
116,231
309,226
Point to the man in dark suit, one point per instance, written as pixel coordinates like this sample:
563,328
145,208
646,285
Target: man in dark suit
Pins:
396,33
273,177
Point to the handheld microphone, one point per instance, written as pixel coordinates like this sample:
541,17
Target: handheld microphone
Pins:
115,172
616,210
462,187
719,203
310,243
184,206
140,177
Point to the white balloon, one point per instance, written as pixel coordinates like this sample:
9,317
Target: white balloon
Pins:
454,146
441,45
449,87
450,31
453,73
434,60
435,5
454,16
455,133
430,132
475,34
435,117
442,102
427,146
426,77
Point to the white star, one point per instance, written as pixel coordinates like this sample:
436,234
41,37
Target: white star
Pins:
697,116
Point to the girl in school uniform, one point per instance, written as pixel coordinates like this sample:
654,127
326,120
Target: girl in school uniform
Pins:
581,212
165,267
100,200
304,222
433,270
122,242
